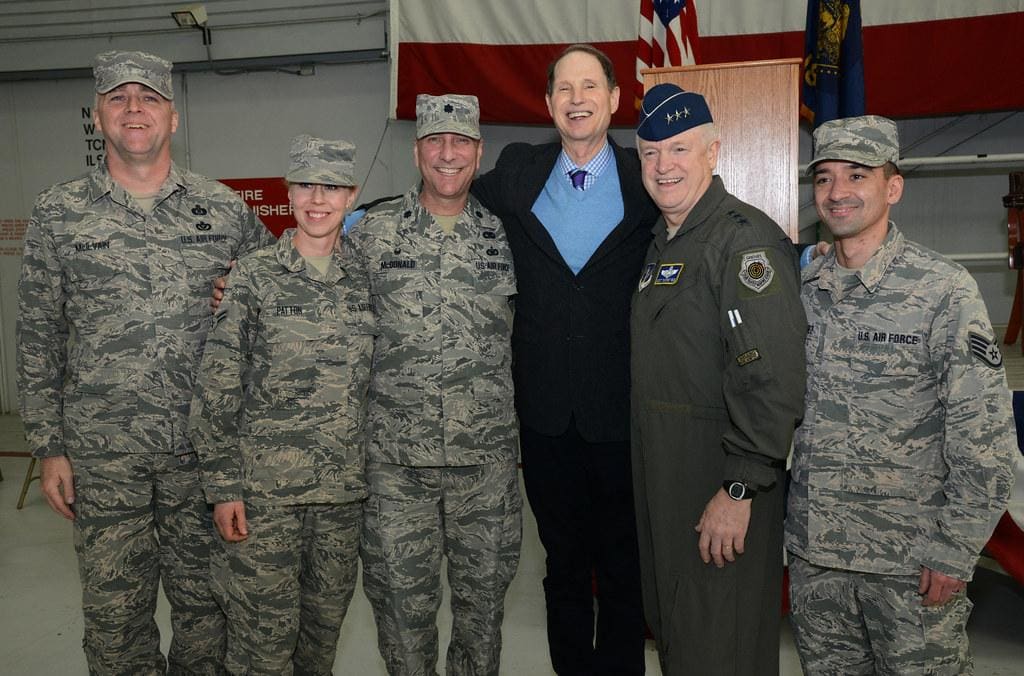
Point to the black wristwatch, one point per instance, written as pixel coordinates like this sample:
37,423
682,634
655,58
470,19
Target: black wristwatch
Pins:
737,490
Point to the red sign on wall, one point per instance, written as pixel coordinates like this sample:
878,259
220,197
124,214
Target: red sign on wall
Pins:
268,197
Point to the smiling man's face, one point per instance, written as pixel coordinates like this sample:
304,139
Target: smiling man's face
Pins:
580,102
136,122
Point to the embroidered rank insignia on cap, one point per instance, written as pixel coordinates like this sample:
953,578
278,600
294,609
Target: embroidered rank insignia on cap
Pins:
748,356
985,349
646,278
669,274
756,271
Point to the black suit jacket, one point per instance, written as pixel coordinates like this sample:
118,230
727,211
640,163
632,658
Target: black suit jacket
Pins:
570,340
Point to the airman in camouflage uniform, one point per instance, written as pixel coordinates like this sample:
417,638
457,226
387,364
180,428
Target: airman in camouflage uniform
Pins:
278,423
113,316
441,464
902,465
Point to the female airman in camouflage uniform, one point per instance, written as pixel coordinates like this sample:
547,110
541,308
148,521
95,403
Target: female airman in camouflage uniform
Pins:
278,420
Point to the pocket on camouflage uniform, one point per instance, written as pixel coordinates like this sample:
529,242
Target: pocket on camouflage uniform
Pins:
497,283
205,260
890,381
403,291
299,346
946,648
200,265
99,405
493,412
92,262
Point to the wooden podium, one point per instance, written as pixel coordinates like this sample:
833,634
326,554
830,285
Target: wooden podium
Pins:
756,107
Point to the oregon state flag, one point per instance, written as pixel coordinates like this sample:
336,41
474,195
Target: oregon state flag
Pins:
833,83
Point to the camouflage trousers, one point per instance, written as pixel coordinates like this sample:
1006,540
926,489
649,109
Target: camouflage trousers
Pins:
140,519
848,623
286,588
413,517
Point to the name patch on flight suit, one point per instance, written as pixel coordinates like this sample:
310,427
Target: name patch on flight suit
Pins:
748,357
756,271
646,277
669,273
985,349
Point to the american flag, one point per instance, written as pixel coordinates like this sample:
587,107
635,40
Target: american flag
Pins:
666,36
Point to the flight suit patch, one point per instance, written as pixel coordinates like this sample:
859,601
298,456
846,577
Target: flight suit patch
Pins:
646,277
669,274
756,271
748,357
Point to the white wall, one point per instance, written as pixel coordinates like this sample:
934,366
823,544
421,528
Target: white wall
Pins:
240,125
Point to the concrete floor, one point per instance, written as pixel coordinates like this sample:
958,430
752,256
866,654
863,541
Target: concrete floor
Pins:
41,625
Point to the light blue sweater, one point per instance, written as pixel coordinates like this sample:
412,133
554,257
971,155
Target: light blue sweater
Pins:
579,220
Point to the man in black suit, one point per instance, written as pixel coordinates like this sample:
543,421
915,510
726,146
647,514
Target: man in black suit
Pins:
579,222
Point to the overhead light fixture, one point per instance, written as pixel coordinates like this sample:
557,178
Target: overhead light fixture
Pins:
193,16
190,16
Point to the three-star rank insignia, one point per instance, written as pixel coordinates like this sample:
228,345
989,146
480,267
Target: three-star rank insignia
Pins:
679,115
985,349
756,271
669,273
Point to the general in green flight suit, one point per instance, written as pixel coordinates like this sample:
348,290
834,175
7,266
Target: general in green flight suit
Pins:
718,384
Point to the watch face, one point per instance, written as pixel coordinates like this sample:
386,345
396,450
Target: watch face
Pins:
738,490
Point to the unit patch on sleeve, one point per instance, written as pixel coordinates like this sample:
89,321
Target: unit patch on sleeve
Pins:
756,271
985,349
669,274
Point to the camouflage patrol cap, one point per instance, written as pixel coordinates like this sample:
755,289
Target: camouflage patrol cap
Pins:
869,140
113,69
448,113
317,160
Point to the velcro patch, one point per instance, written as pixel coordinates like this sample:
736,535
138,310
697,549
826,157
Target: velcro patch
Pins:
756,271
985,349
669,273
646,277
748,357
